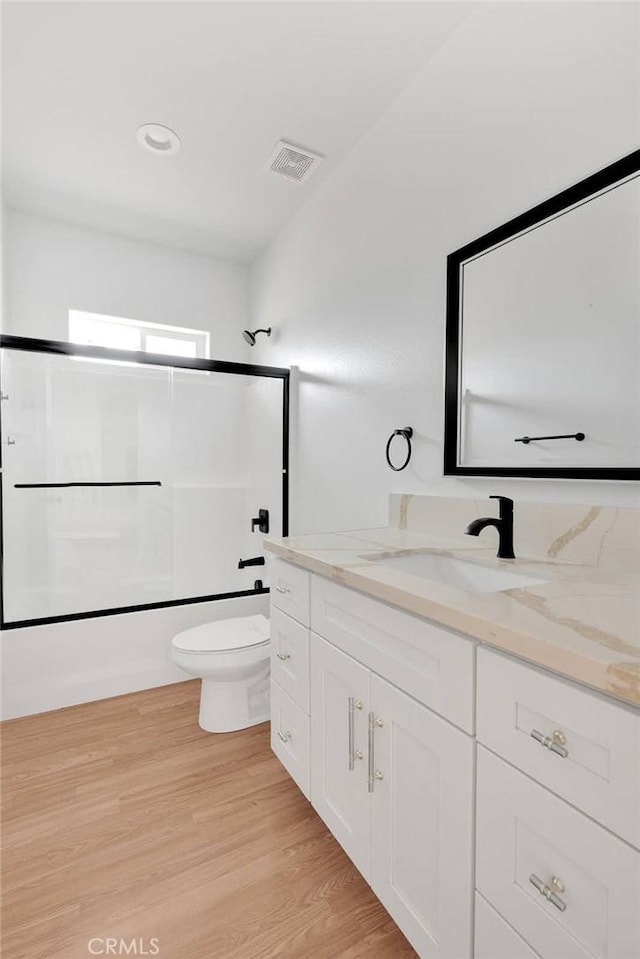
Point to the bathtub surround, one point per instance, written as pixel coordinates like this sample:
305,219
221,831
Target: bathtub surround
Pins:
63,664
50,268
124,544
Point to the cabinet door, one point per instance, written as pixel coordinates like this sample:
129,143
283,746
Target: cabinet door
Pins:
495,939
290,657
598,766
339,711
568,886
422,822
290,736
290,587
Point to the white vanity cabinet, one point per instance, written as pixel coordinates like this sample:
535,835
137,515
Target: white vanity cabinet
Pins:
556,765
521,843
290,670
494,938
565,884
394,783
576,743
340,706
422,823
391,778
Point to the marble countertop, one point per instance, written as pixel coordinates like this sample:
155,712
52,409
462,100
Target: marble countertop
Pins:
580,621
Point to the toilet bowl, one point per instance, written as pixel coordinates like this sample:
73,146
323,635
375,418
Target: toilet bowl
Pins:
231,657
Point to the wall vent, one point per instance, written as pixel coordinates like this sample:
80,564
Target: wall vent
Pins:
293,161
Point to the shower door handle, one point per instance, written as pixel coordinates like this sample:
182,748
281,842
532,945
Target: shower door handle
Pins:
82,485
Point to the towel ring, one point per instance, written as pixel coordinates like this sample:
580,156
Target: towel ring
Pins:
407,432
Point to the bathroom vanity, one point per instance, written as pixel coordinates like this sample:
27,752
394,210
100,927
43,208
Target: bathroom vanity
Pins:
488,796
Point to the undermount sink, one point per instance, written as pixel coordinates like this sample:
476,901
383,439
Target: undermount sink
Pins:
471,577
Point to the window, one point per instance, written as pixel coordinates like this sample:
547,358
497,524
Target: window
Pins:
116,333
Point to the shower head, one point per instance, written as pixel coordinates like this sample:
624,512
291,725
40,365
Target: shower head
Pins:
251,337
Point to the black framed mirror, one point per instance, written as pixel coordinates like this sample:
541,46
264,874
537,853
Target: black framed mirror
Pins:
542,372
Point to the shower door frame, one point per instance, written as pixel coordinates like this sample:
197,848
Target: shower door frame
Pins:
62,348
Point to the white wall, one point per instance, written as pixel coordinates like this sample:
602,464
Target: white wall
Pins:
51,267
520,102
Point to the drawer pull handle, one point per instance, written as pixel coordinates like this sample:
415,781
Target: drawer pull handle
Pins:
283,589
556,742
285,737
283,656
547,891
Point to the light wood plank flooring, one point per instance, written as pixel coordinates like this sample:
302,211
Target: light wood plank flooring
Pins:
123,819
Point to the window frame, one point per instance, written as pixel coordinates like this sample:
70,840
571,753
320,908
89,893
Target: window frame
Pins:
200,338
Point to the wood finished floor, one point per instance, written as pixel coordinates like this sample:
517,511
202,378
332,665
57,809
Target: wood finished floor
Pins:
122,818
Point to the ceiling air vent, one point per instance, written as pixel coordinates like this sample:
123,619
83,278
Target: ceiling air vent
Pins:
293,161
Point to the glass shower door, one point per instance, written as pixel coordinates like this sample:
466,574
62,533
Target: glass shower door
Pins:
86,485
127,484
222,426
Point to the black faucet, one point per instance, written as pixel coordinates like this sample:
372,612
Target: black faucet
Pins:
255,561
504,525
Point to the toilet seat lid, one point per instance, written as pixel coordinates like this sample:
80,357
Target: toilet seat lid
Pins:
226,634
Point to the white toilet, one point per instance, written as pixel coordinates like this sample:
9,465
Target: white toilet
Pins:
232,659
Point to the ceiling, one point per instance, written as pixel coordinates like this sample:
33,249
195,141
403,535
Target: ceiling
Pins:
230,78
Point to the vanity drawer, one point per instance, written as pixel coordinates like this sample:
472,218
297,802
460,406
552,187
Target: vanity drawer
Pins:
290,737
290,589
526,836
495,939
600,772
432,664
290,657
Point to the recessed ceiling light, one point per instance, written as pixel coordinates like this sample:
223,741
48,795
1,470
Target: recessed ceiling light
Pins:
158,138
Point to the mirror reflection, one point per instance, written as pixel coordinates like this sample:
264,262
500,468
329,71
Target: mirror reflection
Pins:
549,340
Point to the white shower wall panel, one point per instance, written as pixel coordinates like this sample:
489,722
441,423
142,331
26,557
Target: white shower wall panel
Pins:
210,534
47,667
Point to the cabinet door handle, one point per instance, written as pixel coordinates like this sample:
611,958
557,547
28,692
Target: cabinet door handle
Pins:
353,752
283,589
555,742
548,892
374,774
283,656
285,737
351,733
370,778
